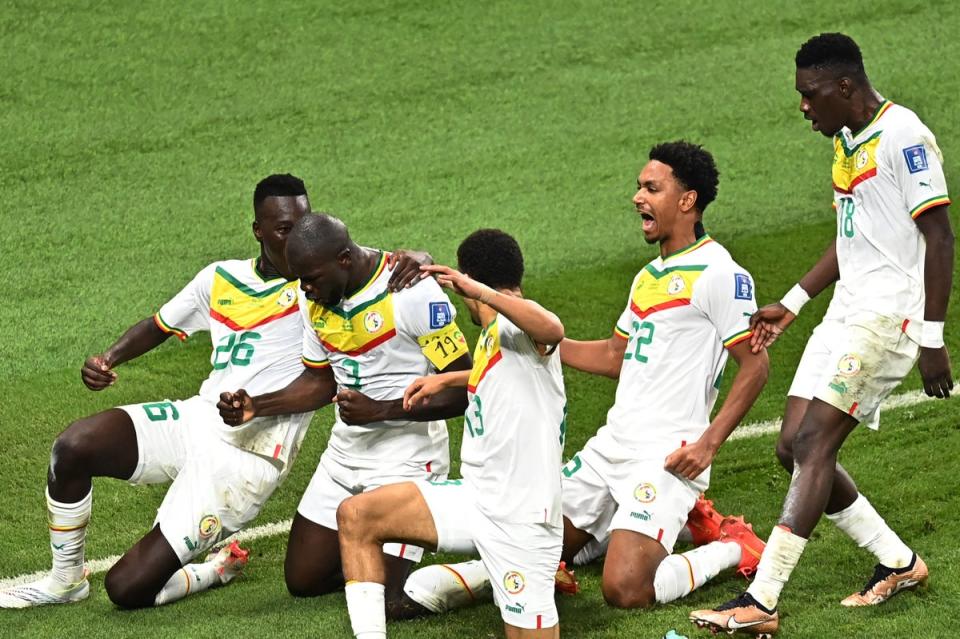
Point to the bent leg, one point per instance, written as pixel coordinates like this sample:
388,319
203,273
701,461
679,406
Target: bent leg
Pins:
135,580
103,445
312,564
629,570
844,491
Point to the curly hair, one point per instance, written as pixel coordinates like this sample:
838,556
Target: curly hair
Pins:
835,51
693,166
492,257
278,185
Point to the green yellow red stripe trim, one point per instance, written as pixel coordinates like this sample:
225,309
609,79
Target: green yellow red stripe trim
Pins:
619,332
926,205
884,107
658,307
166,328
246,290
223,319
313,363
690,248
366,347
493,360
736,339
382,264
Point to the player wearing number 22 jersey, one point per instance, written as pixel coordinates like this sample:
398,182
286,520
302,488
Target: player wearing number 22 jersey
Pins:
637,479
362,346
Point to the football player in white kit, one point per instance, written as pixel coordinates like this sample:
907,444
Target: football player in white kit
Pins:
220,476
892,261
637,480
507,506
375,341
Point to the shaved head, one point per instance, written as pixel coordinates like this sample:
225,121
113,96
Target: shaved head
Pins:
317,236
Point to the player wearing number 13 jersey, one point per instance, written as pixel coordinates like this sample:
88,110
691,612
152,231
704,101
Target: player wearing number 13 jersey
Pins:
375,342
637,479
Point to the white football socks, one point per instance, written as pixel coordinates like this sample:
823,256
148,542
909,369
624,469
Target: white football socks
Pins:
68,530
866,527
443,587
367,609
190,579
777,563
679,575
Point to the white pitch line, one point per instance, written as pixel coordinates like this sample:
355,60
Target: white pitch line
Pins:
747,431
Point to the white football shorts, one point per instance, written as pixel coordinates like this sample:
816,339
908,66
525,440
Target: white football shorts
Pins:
217,488
601,495
333,482
520,558
854,365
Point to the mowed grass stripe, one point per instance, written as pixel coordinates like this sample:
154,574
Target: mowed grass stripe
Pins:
747,431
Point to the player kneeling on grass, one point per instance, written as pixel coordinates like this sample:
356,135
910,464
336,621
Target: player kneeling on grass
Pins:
507,506
637,480
221,476
363,345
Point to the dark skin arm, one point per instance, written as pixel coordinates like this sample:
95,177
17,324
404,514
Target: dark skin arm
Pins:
97,372
934,363
769,322
313,389
358,409
406,268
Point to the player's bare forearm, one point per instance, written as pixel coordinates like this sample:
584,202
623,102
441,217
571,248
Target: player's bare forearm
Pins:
313,389
822,274
600,357
543,326
938,263
140,338
447,403
749,382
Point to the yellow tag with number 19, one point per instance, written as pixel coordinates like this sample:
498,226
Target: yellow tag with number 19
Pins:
443,346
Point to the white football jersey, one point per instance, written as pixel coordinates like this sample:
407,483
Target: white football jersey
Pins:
683,313
514,427
378,342
256,333
885,176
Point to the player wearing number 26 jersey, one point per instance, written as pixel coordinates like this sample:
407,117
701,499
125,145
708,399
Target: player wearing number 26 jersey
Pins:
220,475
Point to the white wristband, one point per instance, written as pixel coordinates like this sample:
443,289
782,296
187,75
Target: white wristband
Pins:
795,298
931,334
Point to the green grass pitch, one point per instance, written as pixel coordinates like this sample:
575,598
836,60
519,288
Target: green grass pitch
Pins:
133,134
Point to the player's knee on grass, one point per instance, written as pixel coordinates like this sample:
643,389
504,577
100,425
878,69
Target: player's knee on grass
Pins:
623,591
125,591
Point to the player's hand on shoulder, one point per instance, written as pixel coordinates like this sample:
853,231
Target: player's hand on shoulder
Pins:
236,408
934,365
419,392
690,460
358,409
406,268
768,324
96,373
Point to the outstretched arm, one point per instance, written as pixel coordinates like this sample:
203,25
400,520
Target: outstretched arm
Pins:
769,322
691,460
313,389
97,372
600,357
934,361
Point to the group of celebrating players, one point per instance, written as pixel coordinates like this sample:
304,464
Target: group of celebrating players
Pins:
318,319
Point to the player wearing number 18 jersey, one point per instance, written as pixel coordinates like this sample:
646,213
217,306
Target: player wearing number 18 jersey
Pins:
637,479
